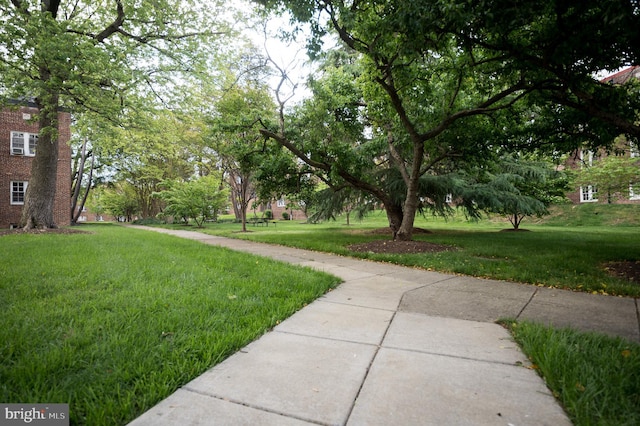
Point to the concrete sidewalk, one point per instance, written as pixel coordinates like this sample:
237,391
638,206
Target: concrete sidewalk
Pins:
390,346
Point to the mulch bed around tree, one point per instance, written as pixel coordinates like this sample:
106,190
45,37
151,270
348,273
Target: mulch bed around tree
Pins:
629,270
398,247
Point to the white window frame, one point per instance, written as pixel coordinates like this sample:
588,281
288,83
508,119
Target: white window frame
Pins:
590,158
588,194
24,143
281,202
16,201
634,152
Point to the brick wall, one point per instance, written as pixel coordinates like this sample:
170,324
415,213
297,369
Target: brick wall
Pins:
574,162
277,209
18,167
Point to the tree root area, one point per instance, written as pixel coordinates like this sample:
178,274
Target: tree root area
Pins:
627,270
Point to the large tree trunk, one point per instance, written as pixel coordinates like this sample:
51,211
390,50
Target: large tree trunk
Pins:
411,179
41,191
405,233
394,215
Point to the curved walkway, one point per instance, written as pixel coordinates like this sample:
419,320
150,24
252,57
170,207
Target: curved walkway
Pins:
390,346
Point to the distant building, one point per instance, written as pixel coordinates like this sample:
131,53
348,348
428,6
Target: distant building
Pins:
18,144
279,209
583,158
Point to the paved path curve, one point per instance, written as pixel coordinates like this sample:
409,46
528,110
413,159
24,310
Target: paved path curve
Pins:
390,346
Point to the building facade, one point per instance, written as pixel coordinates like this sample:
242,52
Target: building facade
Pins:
584,158
18,143
593,194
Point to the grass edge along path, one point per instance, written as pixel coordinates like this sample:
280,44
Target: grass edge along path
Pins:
595,377
572,258
115,320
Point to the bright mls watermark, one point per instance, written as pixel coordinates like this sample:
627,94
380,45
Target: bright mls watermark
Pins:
37,414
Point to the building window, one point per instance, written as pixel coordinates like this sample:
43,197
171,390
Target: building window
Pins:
18,189
588,194
587,158
23,143
281,202
633,150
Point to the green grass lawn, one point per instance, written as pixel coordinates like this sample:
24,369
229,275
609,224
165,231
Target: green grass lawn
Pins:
595,377
554,253
114,320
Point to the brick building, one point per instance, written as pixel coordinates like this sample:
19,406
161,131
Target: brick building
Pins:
582,158
18,142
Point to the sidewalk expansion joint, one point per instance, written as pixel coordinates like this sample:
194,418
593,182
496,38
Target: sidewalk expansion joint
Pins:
366,373
321,299
254,407
409,290
535,292
332,339
466,358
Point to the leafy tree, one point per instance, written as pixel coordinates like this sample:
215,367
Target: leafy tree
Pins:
90,133
518,187
560,46
157,149
329,202
199,199
415,103
237,140
91,57
434,73
352,134
119,201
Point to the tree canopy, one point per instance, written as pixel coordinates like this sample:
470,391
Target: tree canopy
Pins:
93,57
443,85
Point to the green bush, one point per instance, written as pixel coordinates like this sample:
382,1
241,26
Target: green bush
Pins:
268,214
285,215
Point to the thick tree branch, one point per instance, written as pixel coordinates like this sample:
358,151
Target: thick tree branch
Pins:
115,25
20,5
588,106
51,6
486,107
395,155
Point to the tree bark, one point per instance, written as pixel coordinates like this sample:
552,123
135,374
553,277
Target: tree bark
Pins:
394,216
41,191
76,211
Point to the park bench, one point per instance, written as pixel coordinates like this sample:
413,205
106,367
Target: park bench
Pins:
260,221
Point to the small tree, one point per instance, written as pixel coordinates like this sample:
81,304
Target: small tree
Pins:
119,200
330,202
519,187
200,199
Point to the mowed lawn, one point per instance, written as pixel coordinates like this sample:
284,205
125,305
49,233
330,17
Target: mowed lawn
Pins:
570,251
113,320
